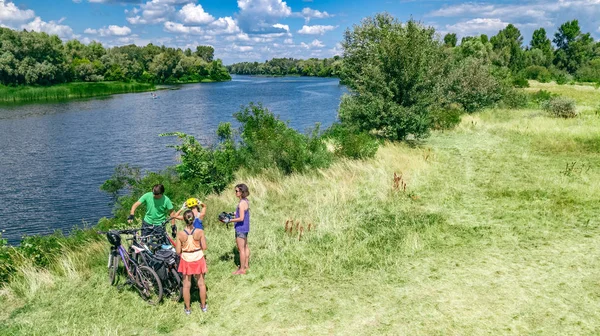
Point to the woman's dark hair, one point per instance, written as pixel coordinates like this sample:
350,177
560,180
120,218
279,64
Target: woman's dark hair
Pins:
188,217
158,189
244,189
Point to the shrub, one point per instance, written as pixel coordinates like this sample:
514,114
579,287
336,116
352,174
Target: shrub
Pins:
7,264
352,144
541,97
42,250
514,98
471,84
520,82
560,76
268,141
561,107
589,72
207,170
538,73
447,118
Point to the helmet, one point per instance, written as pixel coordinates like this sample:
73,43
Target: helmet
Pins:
113,238
191,202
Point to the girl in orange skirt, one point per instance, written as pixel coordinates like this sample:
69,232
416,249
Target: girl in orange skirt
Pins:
191,245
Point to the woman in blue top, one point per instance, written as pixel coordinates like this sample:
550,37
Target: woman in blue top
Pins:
242,226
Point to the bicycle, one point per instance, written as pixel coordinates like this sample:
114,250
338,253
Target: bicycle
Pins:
142,277
164,261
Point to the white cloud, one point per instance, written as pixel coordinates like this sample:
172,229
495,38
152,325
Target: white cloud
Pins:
288,41
11,13
52,28
225,25
112,30
242,48
275,8
315,30
282,26
477,26
153,12
191,14
308,14
174,27
314,44
260,16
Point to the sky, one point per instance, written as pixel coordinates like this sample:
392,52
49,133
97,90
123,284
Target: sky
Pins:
258,30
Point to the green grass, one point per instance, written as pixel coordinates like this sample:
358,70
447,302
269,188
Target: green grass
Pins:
583,94
492,236
59,92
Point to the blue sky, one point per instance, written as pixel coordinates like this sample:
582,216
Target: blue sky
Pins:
256,30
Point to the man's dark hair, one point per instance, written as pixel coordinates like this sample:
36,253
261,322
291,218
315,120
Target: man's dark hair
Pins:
158,189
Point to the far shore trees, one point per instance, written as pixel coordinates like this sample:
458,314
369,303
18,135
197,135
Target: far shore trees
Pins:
32,58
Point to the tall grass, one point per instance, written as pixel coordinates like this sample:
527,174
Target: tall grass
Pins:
66,91
491,236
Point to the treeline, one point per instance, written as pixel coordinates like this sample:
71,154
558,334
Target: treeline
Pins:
571,55
32,58
328,67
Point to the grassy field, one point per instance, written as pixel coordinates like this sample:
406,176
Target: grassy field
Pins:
24,94
496,233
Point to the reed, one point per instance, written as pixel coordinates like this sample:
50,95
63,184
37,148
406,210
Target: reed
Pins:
25,94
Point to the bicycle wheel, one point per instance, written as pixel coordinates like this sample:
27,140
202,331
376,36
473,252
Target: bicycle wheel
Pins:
174,289
113,265
149,285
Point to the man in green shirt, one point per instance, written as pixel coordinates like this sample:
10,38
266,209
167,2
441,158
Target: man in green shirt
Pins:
157,207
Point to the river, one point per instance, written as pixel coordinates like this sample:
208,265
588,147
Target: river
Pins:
55,156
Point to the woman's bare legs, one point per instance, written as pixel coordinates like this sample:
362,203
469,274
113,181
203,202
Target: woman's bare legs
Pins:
187,284
246,265
202,288
242,248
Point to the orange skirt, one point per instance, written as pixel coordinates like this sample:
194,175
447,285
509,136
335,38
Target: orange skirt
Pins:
192,268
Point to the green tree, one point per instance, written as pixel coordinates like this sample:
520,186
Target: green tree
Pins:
207,53
507,48
450,40
540,41
573,47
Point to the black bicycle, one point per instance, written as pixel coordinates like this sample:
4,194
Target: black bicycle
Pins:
164,261
142,277
158,252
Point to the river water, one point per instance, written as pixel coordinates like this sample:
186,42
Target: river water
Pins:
55,156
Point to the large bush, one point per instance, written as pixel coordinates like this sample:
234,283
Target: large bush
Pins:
393,71
400,78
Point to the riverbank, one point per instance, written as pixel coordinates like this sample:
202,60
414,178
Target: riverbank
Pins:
76,90
496,233
28,94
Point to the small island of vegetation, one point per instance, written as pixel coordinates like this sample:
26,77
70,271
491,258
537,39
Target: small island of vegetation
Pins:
37,66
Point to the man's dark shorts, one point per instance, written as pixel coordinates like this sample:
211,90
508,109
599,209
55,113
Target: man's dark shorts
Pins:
243,235
148,229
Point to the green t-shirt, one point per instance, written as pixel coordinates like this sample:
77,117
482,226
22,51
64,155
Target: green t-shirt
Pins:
156,209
